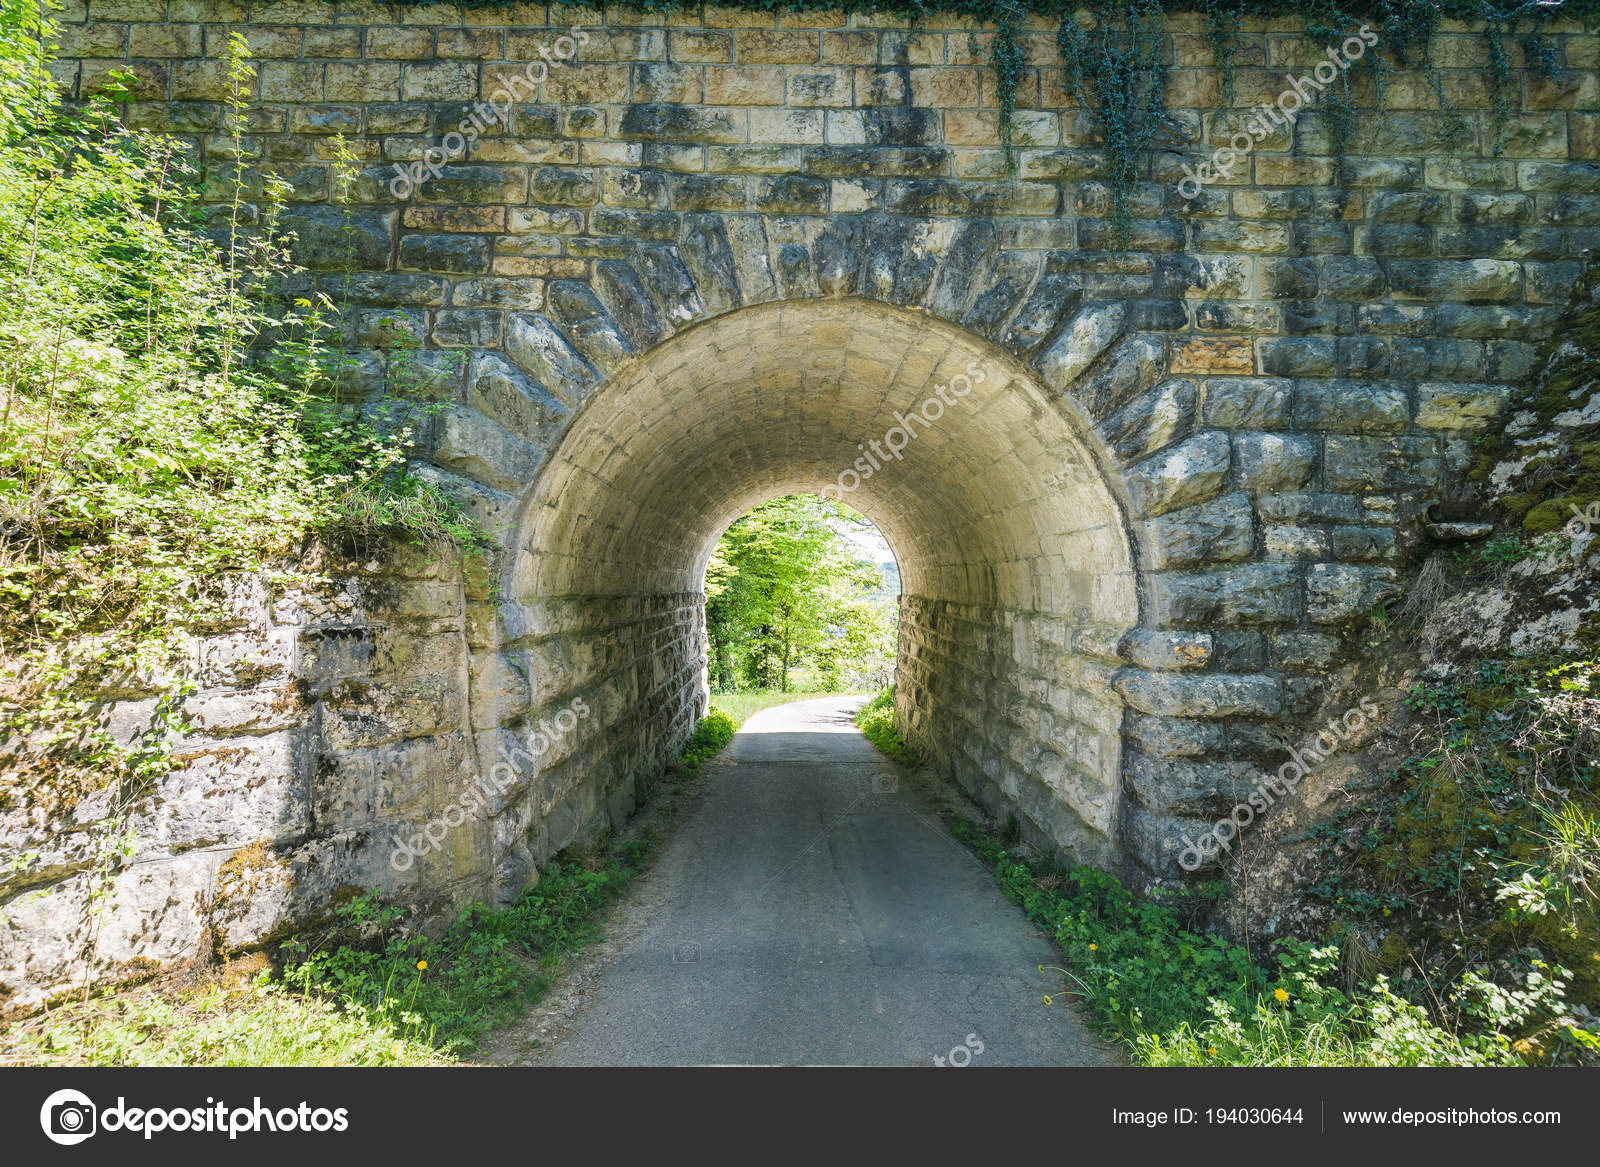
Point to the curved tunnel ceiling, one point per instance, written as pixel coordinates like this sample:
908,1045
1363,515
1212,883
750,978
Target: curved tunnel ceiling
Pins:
996,502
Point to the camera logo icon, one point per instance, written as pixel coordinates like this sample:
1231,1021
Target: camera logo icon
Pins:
885,783
686,954
68,1117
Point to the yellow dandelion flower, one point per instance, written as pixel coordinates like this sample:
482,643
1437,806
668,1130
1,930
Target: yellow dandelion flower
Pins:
1094,948
1212,1051
421,964
1280,996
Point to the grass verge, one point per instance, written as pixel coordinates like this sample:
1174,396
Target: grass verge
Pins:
1176,997
742,705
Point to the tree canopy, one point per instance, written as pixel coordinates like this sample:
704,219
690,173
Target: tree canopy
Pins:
784,587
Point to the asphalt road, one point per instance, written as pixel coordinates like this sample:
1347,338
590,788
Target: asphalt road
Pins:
813,910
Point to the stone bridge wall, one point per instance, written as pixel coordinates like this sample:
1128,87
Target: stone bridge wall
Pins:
1271,381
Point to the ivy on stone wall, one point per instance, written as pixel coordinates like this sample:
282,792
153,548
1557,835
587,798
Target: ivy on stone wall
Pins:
1116,60
1117,70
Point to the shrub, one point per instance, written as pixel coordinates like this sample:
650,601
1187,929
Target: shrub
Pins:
876,722
715,730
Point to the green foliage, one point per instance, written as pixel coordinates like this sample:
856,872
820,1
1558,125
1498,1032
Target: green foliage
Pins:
1178,997
261,1024
716,729
876,722
783,587
1222,34
1007,57
1509,549
168,423
482,973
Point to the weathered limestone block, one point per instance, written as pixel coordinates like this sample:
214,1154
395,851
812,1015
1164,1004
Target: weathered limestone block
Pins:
1152,649
1219,531
472,444
1160,736
1252,403
1209,695
1350,406
1377,464
1178,786
1459,407
1274,462
1337,593
525,408
1189,472
1250,594
1081,341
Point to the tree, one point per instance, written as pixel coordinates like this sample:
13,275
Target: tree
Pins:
782,588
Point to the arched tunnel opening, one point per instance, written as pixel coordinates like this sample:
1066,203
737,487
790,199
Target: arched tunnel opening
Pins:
802,594
1017,569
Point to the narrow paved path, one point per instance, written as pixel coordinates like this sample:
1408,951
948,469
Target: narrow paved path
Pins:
812,909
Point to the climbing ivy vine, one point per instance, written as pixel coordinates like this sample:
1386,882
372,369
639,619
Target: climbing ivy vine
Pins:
1118,70
1222,34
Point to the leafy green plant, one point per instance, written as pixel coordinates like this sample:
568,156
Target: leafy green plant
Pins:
1510,549
1178,997
482,973
714,731
875,719
1118,70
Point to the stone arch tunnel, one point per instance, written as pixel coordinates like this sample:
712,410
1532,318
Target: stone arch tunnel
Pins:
1017,569
705,263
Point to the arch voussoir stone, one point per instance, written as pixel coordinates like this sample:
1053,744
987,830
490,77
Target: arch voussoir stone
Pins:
670,284
501,391
969,263
1082,338
751,253
473,444
542,351
629,303
1155,419
704,244
588,325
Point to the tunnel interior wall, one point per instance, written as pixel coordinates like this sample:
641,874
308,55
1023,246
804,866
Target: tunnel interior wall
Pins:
628,675
1018,709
